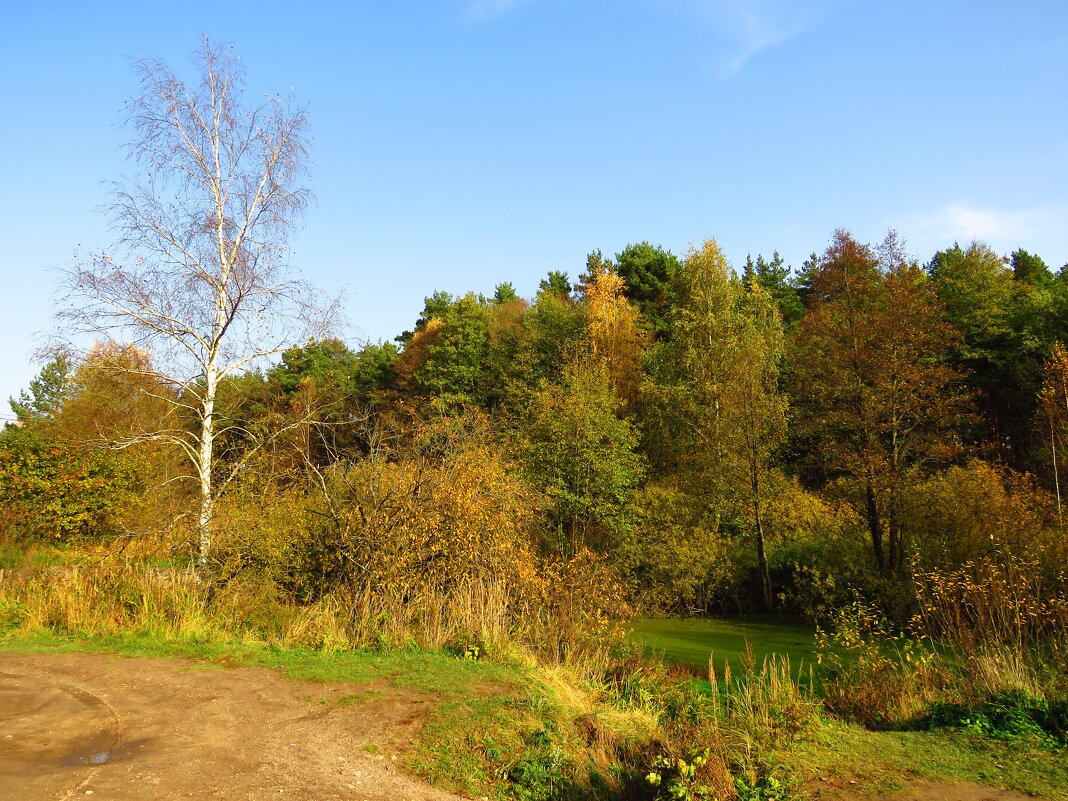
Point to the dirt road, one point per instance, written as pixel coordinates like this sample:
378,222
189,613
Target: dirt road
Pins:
115,729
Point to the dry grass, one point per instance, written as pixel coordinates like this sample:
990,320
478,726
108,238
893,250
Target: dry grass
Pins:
762,707
873,675
1003,623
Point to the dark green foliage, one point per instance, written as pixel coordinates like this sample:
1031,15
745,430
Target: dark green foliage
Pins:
328,365
335,371
1005,716
456,360
1029,268
434,306
777,279
544,771
556,283
53,386
1007,318
648,273
505,293
373,369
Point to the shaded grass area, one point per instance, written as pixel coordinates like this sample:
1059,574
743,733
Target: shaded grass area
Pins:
838,754
692,640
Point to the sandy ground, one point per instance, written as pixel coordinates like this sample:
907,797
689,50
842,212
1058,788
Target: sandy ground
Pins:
114,729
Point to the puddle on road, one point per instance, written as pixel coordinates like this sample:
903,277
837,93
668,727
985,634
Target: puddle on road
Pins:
96,749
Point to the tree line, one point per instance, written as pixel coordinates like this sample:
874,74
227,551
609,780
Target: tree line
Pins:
688,435
720,438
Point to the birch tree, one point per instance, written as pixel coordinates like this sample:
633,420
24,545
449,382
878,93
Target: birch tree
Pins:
199,275
727,346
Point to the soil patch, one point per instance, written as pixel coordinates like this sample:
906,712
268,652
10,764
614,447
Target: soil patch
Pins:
89,725
921,790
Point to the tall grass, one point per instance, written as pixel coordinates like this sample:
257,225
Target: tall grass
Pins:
103,600
988,649
468,616
872,674
763,707
716,738
1003,623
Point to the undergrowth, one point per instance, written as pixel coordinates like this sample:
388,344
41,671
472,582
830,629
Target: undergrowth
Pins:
592,723
509,722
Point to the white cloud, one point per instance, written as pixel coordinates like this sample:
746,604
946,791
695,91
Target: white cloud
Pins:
743,28
488,9
1038,228
748,27
963,222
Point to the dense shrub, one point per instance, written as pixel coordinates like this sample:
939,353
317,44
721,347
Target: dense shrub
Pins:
52,490
976,510
672,558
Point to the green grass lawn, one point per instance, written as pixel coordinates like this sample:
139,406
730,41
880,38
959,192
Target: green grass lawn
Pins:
692,640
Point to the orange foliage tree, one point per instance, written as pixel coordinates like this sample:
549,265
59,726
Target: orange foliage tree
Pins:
876,401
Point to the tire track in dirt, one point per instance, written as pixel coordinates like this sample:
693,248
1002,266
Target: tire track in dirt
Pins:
44,705
84,725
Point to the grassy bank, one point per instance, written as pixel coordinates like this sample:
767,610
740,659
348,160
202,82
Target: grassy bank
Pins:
608,722
514,730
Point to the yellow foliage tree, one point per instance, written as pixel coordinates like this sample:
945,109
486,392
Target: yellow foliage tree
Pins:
615,332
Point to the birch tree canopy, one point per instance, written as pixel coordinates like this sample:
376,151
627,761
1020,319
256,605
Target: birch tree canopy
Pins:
200,275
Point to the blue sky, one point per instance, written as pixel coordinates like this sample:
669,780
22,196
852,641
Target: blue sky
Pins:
461,143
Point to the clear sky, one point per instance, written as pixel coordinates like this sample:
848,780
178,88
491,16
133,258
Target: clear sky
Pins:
461,143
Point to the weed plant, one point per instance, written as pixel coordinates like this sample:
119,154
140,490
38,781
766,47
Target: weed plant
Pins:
871,674
1004,624
988,654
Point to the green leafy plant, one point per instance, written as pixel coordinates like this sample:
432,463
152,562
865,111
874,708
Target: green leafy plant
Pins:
678,778
1006,716
766,788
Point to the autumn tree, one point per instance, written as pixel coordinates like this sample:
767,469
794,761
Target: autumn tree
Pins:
576,449
455,366
876,400
55,491
200,275
72,477
615,332
722,385
531,343
1053,400
114,399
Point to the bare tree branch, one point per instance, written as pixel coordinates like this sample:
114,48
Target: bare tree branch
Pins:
200,275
